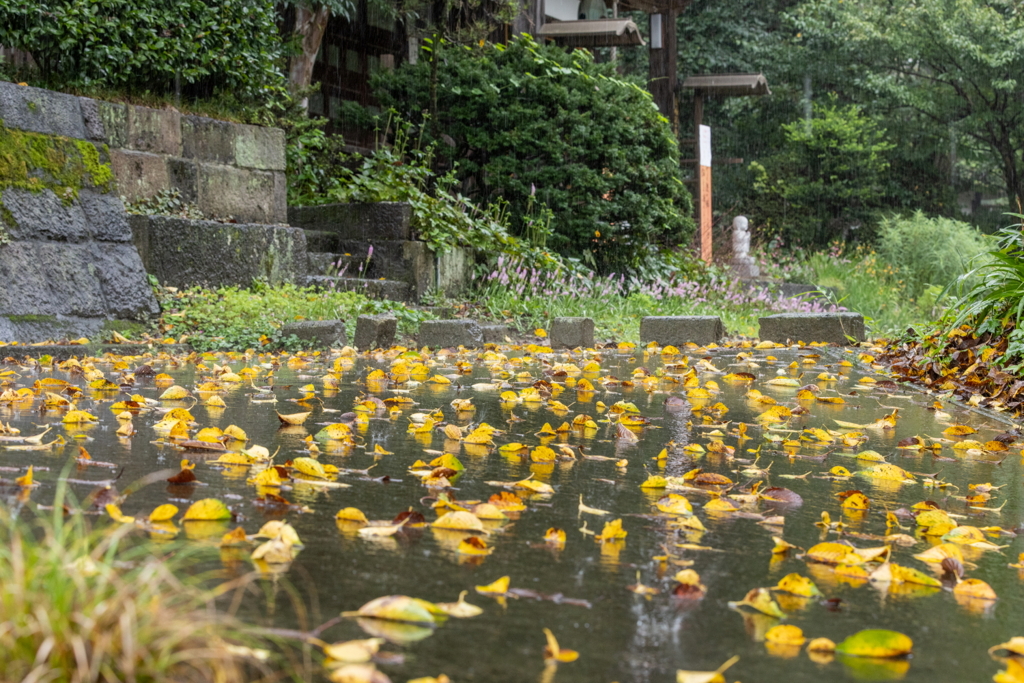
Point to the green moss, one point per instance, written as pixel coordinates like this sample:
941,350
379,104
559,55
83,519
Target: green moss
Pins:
37,162
32,318
99,172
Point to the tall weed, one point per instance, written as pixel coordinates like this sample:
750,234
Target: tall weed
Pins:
92,606
930,251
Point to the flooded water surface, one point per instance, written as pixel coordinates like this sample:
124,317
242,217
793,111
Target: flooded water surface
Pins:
580,589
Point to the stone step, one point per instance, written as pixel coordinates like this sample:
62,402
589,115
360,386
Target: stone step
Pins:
382,221
345,265
391,290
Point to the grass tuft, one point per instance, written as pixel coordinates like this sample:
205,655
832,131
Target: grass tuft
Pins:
89,606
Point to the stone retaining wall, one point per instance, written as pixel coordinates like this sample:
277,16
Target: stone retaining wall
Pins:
226,169
183,253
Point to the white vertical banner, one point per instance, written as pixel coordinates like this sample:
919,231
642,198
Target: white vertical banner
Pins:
705,146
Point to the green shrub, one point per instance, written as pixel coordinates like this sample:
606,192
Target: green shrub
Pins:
148,44
991,295
529,123
930,251
826,184
320,173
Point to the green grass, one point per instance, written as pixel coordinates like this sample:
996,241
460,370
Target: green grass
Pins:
531,299
92,605
236,319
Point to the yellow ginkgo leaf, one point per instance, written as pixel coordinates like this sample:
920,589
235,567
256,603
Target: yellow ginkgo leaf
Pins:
78,417
174,393
499,587
115,514
208,509
293,419
163,513
553,653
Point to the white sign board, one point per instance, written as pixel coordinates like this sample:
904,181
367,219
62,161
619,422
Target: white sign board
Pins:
705,146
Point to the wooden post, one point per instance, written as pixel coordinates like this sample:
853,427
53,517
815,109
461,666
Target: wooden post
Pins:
704,191
662,75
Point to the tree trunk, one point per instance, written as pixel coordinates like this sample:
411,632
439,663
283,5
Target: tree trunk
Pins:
310,24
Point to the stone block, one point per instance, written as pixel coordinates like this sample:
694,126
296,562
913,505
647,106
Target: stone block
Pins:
572,333
495,334
183,176
182,252
123,283
319,334
105,122
40,111
105,216
206,139
43,216
454,270
439,334
677,330
41,328
246,195
834,328
375,331
258,147
139,175
361,222
157,131
43,279
280,211
391,290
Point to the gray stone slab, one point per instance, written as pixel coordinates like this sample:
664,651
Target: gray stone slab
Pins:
495,334
105,122
105,216
139,175
570,333
834,328
44,278
44,215
182,252
40,111
319,334
157,131
245,194
259,147
206,139
123,282
362,222
677,330
43,328
183,176
375,331
391,290
439,334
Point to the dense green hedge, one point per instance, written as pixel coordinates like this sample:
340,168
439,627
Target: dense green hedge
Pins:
147,44
528,123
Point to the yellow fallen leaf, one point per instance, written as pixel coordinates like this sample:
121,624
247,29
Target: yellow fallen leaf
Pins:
163,513
499,587
554,653
208,509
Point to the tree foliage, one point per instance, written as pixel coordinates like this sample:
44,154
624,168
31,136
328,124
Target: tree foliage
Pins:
956,63
148,44
527,123
825,182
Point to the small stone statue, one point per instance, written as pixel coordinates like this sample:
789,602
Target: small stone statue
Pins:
743,264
